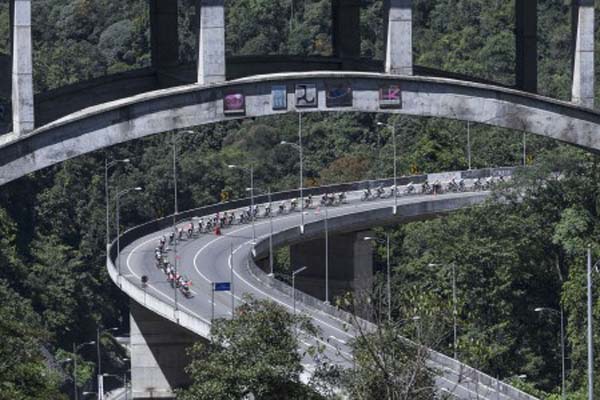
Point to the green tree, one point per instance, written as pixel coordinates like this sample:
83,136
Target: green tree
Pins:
254,353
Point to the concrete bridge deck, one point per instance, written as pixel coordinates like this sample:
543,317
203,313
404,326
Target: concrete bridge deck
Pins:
192,105
208,258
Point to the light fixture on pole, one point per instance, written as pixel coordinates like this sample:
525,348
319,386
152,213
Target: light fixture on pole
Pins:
388,271
299,148
393,127
326,254
454,308
174,140
271,261
562,342
107,166
118,197
75,350
99,333
590,316
251,171
294,273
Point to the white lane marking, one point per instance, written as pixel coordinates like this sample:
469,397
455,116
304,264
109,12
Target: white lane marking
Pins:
358,206
281,302
338,340
152,287
195,263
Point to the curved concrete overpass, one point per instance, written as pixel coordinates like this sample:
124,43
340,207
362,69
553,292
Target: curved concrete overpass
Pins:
208,258
193,105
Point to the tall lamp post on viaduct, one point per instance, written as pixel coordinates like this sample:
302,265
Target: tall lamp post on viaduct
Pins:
107,166
298,147
118,197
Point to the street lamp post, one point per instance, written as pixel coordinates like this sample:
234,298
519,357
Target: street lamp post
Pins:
326,254
271,261
75,350
174,140
294,273
388,272
123,381
393,127
107,166
562,343
590,332
299,148
469,143
524,149
119,195
98,334
454,308
271,235
251,171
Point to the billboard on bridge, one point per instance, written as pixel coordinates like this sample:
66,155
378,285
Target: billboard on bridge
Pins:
306,95
234,103
390,96
279,97
338,94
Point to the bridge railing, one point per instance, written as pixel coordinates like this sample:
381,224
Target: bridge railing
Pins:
201,326
147,228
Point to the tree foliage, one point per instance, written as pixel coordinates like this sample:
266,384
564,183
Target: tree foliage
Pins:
254,353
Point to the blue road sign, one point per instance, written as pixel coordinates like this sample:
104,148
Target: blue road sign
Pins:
222,286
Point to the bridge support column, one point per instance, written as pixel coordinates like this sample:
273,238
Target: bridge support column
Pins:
211,47
158,354
526,45
164,36
399,54
350,265
346,28
22,68
583,59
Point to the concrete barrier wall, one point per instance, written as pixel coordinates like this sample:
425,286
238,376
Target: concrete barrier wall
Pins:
194,105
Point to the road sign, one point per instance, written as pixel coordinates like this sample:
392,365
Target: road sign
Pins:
222,286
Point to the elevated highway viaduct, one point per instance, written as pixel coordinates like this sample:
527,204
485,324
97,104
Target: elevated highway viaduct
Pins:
158,358
212,64
391,86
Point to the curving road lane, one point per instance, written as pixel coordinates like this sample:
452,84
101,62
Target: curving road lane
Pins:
209,258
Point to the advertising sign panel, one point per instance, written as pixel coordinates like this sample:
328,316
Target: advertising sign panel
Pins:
234,103
306,95
390,96
339,94
279,97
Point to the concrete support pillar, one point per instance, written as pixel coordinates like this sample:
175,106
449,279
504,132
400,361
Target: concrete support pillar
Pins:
583,59
164,34
22,68
399,54
526,44
350,265
346,28
158,354
211,53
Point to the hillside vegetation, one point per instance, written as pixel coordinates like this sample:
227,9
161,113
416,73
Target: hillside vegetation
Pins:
510,258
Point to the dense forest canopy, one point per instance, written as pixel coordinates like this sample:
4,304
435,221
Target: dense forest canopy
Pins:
509,256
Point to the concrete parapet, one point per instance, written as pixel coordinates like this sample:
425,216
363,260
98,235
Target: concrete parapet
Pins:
583,59
211,46
399,53
22,69
193,105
